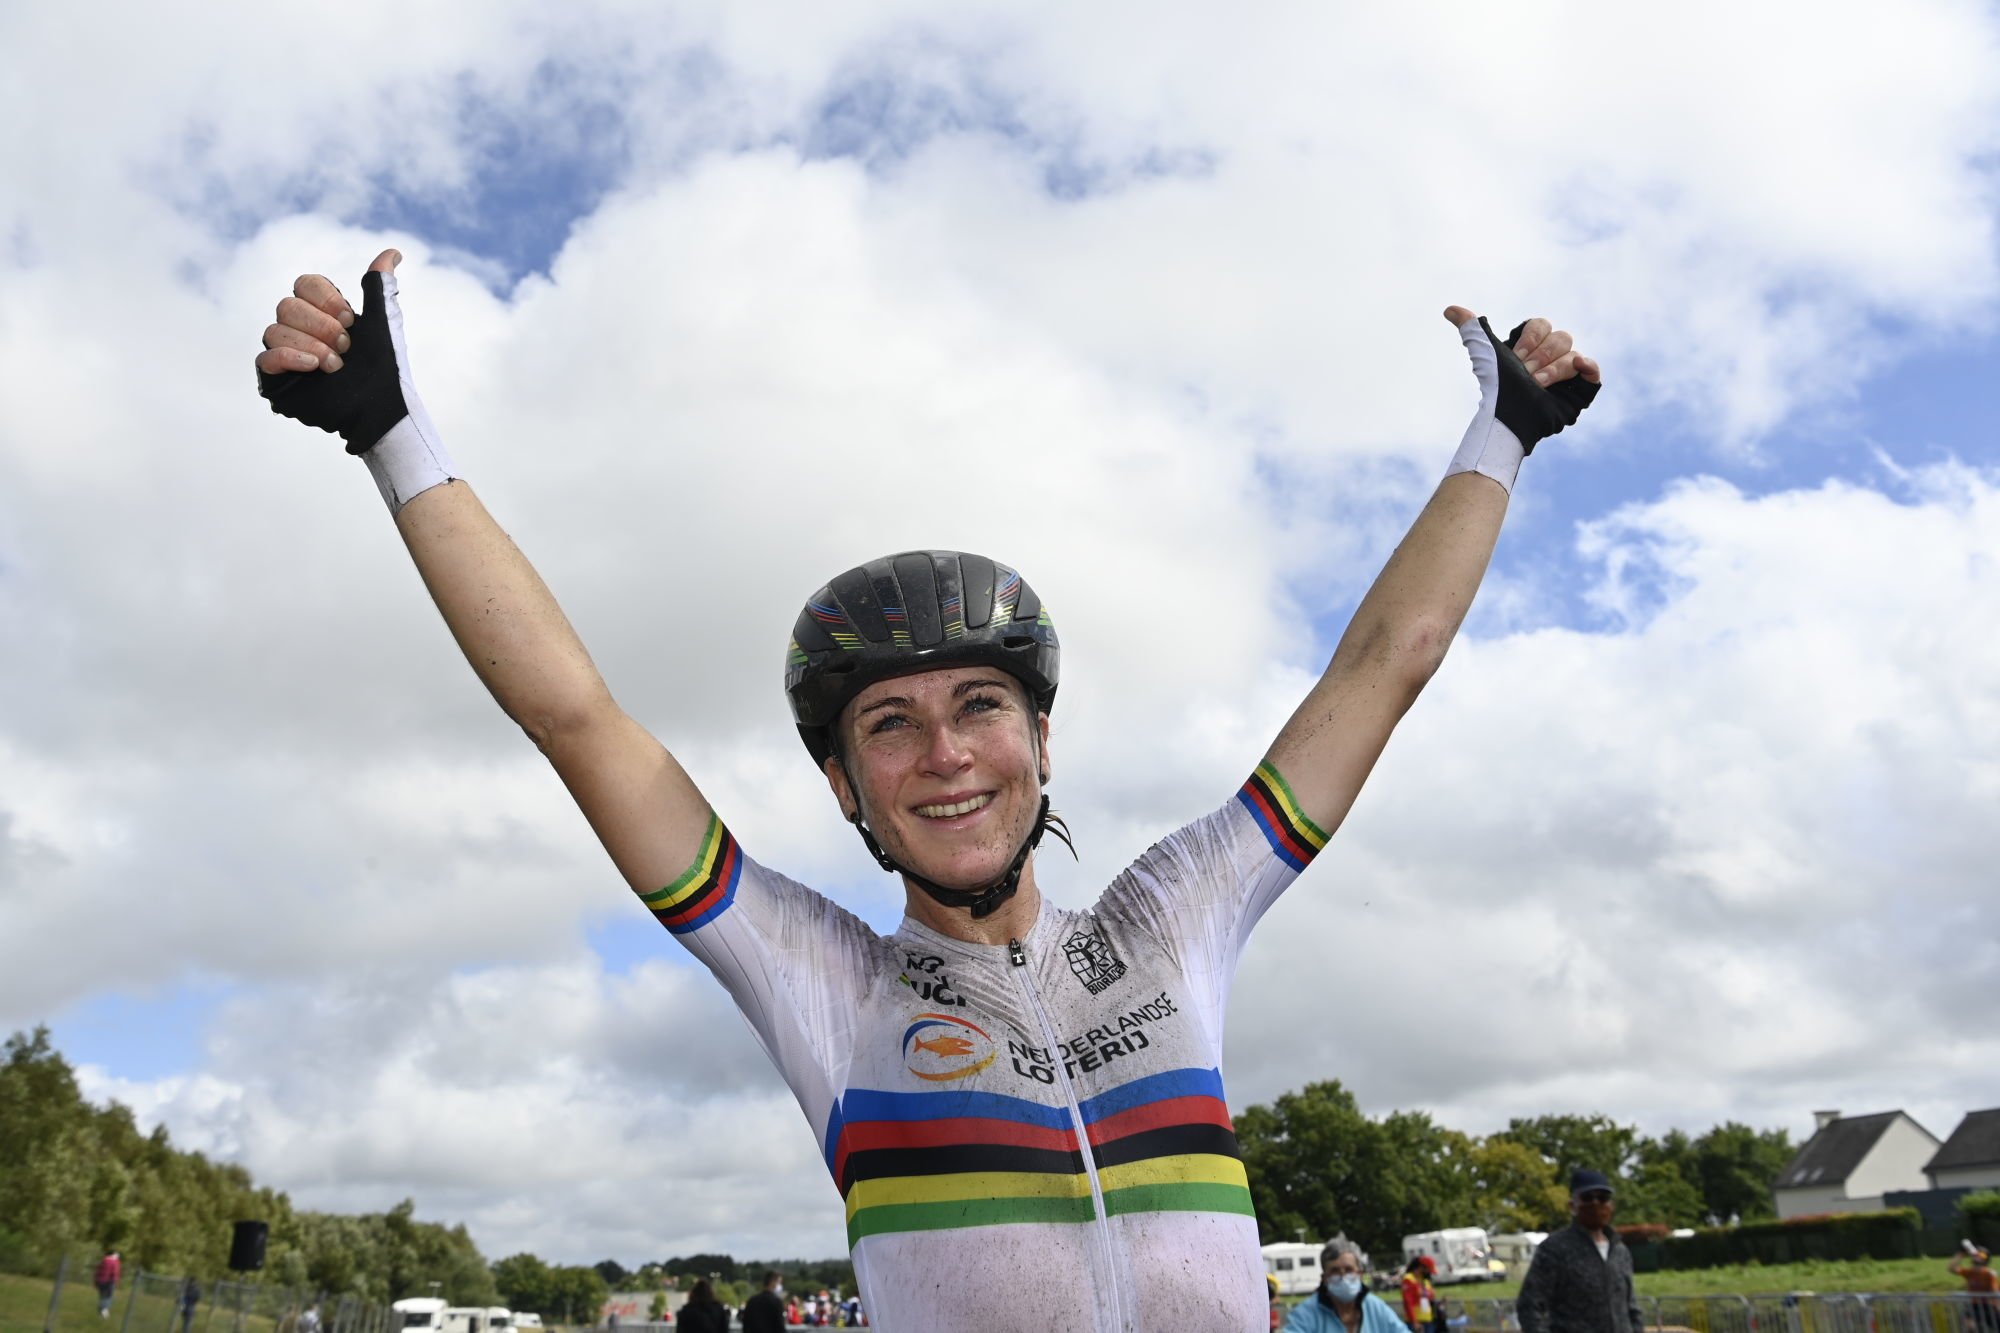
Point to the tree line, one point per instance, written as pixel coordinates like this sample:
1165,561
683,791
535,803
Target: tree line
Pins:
1318,1165
74,1177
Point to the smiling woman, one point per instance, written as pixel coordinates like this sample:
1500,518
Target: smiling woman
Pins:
1024,1098
910,668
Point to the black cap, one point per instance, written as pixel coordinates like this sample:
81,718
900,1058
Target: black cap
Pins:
1581,1182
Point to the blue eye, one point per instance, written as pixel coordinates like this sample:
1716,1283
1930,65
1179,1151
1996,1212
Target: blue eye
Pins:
885,723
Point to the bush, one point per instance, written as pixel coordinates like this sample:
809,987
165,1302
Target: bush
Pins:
1894,1233
1981,1212
19,1255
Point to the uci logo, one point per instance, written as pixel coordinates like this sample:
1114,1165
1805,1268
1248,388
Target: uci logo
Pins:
940,1048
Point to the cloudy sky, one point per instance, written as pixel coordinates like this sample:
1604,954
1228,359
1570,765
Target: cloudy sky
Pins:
1696,823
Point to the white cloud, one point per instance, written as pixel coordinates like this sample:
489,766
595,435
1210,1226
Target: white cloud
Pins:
551,1108
1730,855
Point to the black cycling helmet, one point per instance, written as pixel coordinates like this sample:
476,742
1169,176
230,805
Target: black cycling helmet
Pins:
916,611
921,611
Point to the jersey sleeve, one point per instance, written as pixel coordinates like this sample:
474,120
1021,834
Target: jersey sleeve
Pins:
1202,888
794,961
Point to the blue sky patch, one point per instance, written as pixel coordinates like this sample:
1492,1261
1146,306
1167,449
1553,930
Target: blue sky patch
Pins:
882,117
142,1035
537,159
537,165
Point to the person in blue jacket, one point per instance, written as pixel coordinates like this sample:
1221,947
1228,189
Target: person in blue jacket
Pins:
1343,1303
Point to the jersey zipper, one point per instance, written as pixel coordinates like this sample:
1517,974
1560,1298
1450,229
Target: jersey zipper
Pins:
1100,1224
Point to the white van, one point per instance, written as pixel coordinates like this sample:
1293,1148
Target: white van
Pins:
420,1314
1462,1254
1296,1266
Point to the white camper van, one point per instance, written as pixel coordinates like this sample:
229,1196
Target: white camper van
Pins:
465,1319
1462,1254
1296,1266
420,1314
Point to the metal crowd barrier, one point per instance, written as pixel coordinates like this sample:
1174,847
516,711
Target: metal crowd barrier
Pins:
1799,1312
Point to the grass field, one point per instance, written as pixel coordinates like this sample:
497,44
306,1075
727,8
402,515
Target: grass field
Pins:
1828,1275
24,1303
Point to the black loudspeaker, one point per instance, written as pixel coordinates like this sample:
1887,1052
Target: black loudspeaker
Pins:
246,1247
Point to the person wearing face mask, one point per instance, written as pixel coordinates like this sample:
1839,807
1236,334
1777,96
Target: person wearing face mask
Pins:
765,1311
1343,1304
1580,1280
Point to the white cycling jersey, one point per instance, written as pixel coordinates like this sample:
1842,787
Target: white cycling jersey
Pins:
1028,1136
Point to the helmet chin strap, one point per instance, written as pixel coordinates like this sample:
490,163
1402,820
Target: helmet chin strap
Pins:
983,902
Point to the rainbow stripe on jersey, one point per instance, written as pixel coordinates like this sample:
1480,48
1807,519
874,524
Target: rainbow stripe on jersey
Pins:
1296,839
706,890
929,1161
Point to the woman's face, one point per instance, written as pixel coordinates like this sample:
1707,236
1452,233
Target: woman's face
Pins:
1344,1265
947,770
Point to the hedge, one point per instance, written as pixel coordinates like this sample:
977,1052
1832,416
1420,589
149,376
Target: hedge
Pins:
1638,1233
1981,1212
1894,1233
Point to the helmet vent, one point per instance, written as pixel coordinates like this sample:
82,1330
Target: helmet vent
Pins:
1018,642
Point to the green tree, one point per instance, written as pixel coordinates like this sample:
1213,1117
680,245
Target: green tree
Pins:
525,1283
1567,1142
74,1176
1660,1186
1513,1188
701,1265
578,1293
45,1148
1301,1155
1317,1164
1423,1179
1735,1167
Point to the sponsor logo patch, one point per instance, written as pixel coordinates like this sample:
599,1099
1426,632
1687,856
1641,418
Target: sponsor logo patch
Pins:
922,974
1093,960
940,1048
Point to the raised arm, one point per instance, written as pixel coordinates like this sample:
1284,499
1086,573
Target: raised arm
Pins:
349,374
1398,636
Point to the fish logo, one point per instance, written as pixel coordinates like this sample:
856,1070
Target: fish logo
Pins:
939,1048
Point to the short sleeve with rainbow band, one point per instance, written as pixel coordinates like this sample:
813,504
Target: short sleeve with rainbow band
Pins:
1296,839
706,890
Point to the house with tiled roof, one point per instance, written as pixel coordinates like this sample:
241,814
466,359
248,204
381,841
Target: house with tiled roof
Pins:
1970,1158
1850,1162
